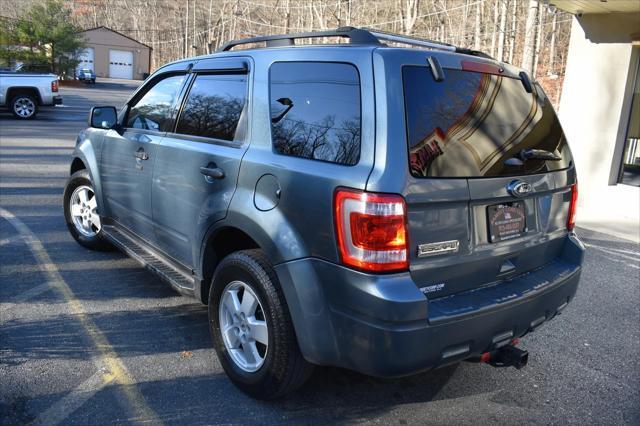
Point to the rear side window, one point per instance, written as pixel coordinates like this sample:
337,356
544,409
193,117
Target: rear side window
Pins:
478,125
214,106
153,110
315,111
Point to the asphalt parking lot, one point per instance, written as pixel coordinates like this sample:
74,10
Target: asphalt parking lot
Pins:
92,337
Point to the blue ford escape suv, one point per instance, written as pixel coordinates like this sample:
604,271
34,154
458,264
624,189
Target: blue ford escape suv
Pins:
383,209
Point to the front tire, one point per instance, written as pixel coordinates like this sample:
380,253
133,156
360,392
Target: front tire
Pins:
24,106
81,212
251,327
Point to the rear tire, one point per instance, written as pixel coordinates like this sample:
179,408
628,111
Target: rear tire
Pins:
24,106
81,212
279,368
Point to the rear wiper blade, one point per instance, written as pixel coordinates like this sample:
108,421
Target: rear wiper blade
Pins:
538,154
531,154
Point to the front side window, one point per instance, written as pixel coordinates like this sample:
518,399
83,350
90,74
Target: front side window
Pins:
153,110
214,106
315,111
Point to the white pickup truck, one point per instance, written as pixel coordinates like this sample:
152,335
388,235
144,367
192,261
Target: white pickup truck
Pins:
24,93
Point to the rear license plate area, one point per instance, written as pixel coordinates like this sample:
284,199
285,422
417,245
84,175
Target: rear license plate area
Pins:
506,221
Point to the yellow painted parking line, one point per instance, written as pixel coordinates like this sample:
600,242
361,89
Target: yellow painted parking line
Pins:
107,355
62,408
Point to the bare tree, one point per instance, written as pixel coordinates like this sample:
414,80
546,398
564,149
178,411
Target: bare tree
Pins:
530,33
510,30
552,46
514,29
502,29
495,29
409,15
539,37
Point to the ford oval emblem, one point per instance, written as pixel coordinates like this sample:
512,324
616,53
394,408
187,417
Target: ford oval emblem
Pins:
518,188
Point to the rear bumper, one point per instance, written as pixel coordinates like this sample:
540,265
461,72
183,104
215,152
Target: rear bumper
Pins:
384,326
57,100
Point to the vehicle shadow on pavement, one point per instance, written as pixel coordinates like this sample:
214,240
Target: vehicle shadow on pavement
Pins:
175,329
331,396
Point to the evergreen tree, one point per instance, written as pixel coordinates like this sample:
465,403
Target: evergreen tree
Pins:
44,36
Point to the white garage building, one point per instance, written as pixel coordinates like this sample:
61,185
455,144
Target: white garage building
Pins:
111,54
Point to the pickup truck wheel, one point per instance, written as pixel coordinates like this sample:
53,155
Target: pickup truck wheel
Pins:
24,106
251,327
81,212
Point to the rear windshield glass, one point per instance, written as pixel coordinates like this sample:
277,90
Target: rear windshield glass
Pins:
479,125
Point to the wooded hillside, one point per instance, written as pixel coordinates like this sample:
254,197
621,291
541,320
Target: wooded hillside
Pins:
522,32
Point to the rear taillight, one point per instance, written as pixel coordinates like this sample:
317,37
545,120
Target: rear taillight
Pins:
371,230
571,219
54,86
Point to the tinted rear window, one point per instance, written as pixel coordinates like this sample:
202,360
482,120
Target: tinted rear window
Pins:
315,111
471,123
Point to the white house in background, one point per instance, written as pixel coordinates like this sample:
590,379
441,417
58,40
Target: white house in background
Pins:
600,111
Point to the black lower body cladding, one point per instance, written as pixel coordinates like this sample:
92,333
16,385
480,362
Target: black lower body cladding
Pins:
384,326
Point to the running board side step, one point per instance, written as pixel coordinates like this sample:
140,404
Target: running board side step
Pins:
179,278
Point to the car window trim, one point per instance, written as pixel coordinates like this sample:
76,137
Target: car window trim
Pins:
202,139
222,66
185,96
144,131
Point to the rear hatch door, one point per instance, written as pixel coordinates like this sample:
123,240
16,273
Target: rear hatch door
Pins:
490,176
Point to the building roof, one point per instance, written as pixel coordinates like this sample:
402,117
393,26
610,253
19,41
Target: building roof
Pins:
605,21
602,6
102,27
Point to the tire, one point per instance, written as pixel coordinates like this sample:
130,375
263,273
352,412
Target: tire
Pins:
283,369
90,237
24,106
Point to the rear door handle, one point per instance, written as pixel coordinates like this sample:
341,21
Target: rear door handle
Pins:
141,155
212,171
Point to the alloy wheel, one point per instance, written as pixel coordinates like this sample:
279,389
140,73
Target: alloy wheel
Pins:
243,326
84,211
24,107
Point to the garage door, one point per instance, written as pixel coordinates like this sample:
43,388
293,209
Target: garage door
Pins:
86,59
120,64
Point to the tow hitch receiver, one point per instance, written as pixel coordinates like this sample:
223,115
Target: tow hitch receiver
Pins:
506,356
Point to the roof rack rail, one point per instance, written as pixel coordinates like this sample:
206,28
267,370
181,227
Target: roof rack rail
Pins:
355,36
423,42
414,41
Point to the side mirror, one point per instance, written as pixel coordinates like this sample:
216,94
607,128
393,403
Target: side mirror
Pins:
103,117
